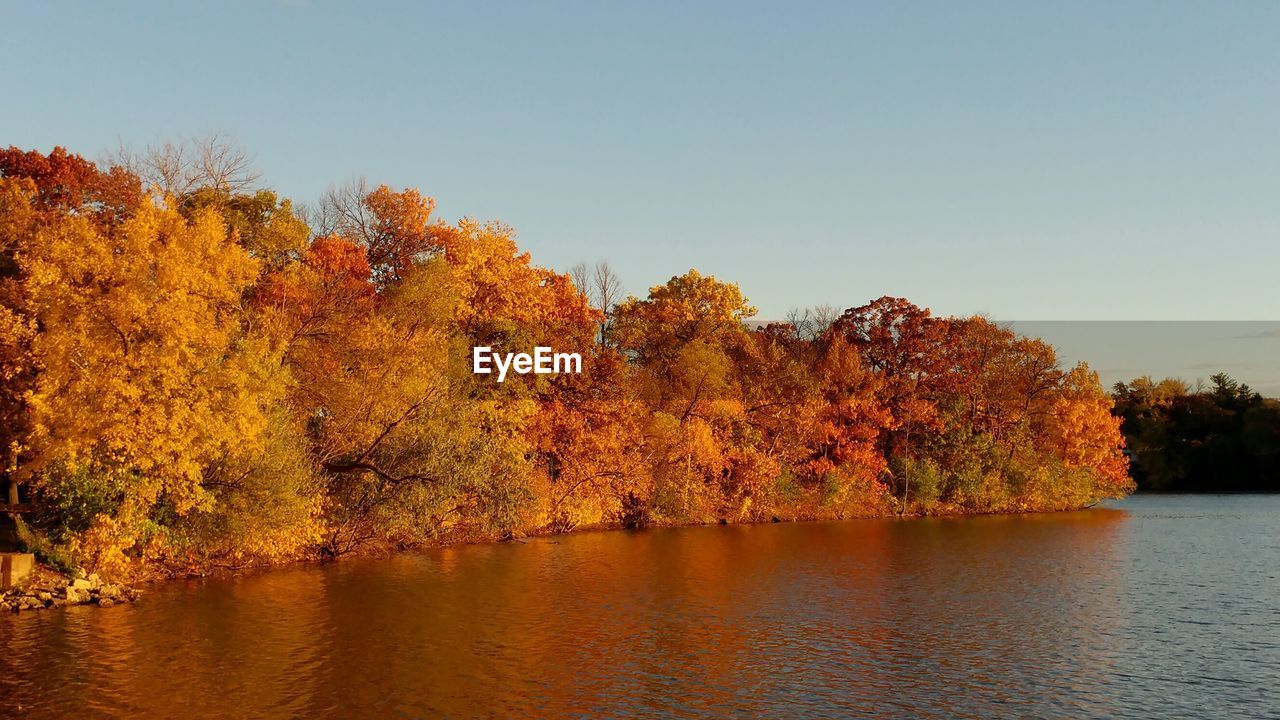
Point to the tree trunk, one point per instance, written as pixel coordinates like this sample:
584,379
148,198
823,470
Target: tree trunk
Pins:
13,476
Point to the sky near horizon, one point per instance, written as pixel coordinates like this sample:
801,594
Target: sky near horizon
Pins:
1087,161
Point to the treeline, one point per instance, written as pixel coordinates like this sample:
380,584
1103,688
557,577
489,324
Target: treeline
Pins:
198,375
1220,438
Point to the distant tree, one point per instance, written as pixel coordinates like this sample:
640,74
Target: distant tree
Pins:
601,288
1219,437
810,323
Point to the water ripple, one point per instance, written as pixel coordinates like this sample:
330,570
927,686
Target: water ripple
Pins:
1161,606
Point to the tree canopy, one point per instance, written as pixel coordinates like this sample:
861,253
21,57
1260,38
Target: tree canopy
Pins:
197,374
1223,437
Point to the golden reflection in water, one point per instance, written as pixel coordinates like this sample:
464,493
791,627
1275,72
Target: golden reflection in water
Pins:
922,615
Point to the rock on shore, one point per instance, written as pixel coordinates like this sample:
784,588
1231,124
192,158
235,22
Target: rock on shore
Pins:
80,589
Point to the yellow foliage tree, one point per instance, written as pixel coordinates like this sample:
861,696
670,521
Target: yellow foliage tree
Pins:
1085,434
148,371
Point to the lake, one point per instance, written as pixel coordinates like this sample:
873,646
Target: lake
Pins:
1152,606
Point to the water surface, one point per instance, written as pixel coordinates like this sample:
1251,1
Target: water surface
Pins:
1155,606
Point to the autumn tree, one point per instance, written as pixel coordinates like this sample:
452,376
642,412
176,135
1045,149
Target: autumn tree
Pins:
413,444
17,327
682,338
845,451
366,378
905,346
585,435
568,427
195,376
143,323
37,189
394,227
261,222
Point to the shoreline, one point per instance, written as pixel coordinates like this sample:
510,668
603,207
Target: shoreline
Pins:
54,589
53,582
47,589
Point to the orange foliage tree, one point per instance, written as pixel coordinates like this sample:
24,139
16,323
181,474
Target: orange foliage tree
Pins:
214,379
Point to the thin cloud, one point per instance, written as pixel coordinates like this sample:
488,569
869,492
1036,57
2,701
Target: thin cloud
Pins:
1117,371
1264,335
1218,366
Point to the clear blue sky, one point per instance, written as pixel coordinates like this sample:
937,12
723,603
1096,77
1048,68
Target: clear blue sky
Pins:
1088,161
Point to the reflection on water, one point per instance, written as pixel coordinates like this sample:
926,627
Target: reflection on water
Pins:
1161,606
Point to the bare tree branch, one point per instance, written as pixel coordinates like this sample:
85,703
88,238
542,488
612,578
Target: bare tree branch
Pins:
179,167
